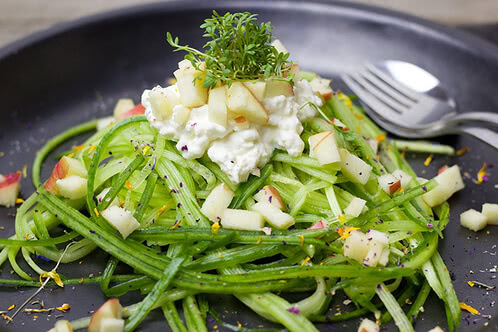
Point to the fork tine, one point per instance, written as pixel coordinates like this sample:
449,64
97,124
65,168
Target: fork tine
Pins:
374,105
387,89
378,93
413,95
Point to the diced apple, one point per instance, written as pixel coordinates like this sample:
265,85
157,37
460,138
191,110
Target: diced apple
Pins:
354,168
403,177
137,110
61,326
121,219
65,167
242,102
105,122
270,194
323,147
294,71
436,329
356,246
9,188
374,144
110,309
373,256
384,257
273,215
368,326
162,102
190,85
318,225
377,236
217,106
181,114
491,212
473,220
112,325
242,220
102,194
241,122
276,88
321,86
257,88
217,201
449,182
385,181
279,46
122,106
355,207
72,187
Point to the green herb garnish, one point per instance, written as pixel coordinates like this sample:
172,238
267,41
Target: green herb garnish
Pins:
239,50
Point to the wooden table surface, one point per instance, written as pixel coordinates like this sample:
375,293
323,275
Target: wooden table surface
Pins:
19,18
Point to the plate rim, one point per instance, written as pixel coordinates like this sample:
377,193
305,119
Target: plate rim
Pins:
457,37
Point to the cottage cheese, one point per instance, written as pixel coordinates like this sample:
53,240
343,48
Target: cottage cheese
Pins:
238,152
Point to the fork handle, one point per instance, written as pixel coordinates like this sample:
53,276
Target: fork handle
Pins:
485,135
484,117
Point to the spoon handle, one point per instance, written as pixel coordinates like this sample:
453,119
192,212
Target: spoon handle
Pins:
485,135
484,117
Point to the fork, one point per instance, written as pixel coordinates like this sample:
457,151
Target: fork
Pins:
408,113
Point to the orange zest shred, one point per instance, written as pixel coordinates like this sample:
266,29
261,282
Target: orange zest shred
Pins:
215,228
79,147
177,223
239,325
11,307
96,211
427,162
346,232
19,200
462,151
25,171
468,308
302,239
359,116
128,184
381,138
161,211
92,147
220,256
342,218
144,151
54,276
65,307
306,260
481,174
470,283
345,99
259,240
72,154
358,128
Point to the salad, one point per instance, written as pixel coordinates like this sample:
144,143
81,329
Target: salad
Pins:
246,176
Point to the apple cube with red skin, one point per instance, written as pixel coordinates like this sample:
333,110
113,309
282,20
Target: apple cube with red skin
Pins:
110,309
322,87
137,110
323,147
122,106
271,195
9,188
72,187
242,102
257,88
190,83
354,168
65,167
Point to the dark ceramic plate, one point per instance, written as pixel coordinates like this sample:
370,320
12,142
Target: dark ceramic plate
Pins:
76,71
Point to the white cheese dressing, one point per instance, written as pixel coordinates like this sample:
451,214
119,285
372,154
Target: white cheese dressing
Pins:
238,152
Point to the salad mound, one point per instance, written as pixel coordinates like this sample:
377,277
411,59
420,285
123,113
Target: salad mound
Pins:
246,176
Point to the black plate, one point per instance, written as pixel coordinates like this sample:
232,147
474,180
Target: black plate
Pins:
76,71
